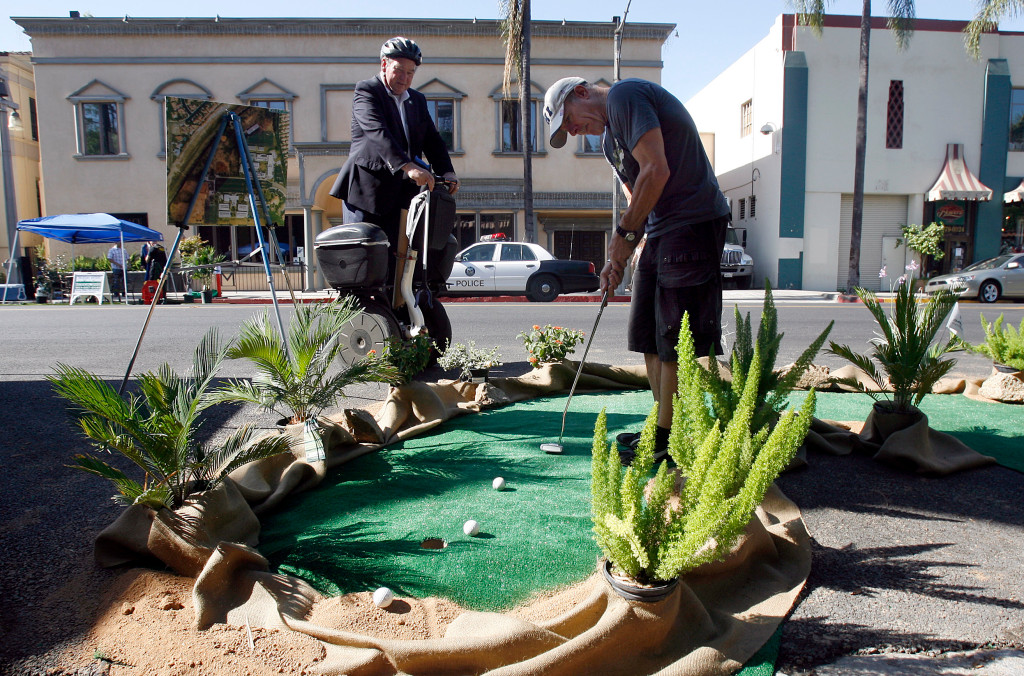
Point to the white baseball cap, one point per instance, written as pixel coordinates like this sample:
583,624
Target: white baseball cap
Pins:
553,101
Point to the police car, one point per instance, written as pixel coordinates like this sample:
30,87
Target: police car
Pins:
497,267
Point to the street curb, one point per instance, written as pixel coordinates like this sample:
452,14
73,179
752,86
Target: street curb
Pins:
445,299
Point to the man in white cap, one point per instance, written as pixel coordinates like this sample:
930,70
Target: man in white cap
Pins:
674,201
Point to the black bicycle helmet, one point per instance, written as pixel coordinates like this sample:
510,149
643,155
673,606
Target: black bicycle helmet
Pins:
399,47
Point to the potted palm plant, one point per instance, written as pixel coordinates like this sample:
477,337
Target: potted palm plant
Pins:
157,430
297,375
909,360
650,538
1004,345
197,254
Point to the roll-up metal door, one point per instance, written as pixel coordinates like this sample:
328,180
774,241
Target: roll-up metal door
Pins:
883,216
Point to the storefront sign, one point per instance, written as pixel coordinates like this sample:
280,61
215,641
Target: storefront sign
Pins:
953,215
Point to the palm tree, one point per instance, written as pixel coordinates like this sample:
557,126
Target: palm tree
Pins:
988,16
157,430
901,23
515,32
300,382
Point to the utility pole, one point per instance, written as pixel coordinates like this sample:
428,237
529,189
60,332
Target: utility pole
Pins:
619,22
7,105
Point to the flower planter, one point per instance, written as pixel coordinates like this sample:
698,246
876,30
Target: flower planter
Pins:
633,592
42,298
999,368
479,375
206,295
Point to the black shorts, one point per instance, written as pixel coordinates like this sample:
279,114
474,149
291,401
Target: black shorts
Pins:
679,271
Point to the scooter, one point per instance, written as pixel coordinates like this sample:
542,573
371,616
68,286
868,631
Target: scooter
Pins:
354,261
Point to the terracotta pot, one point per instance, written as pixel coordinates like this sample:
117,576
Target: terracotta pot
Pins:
1003,368
632,592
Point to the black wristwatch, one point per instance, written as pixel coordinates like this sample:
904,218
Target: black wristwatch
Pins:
628,235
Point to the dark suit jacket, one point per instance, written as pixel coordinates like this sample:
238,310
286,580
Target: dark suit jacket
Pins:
372,178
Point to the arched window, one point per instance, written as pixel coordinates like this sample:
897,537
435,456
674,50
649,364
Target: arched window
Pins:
508,125
177,87
99,121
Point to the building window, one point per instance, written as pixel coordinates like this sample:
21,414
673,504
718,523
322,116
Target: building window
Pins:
746,117
442,112
99,121
509,122
894,116
33,118
511,126
743,208
1017,120
444,103
272,104
100,130
591,144
753,206
469,228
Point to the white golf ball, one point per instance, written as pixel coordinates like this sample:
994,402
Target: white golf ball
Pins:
471,527
498,483
383,597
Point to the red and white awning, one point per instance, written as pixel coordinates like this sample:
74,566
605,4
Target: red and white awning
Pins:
1015,195
955,181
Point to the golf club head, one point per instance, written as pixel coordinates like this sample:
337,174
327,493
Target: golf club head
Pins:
551,448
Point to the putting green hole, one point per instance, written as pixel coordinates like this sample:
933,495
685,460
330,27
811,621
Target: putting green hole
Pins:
433,543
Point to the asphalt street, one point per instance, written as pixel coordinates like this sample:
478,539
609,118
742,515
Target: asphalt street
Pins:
102,339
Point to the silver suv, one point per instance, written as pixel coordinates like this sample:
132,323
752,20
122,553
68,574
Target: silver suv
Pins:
737,266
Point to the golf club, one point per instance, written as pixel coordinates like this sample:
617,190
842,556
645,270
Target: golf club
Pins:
556,449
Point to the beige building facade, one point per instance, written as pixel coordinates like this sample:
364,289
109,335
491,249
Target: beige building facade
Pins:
101,82
16,71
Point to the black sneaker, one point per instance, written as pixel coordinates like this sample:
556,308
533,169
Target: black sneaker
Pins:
627,456
628,439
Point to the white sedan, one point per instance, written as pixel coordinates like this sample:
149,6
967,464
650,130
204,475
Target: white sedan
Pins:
500,268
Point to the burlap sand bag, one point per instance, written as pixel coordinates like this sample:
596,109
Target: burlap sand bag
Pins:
902,440
714,621
905,440
182,539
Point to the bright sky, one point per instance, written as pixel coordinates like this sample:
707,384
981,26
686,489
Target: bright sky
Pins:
711,35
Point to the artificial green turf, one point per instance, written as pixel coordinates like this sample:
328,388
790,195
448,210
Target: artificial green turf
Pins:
362,527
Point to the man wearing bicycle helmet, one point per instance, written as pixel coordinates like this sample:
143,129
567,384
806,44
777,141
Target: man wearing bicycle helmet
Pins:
391,130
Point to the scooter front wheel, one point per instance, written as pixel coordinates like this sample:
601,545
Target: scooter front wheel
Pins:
369,330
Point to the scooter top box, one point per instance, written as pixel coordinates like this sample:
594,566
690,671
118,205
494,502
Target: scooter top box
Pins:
353,255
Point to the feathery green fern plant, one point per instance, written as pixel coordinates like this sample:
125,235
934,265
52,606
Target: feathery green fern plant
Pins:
298,384
157,430
727,472
773,387
909,361
1002,345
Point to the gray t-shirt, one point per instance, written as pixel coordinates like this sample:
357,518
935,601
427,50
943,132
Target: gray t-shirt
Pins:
691,194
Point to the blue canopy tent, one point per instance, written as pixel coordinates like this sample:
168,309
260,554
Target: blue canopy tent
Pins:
89,229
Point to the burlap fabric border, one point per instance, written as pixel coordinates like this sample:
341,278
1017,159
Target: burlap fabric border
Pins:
715,620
